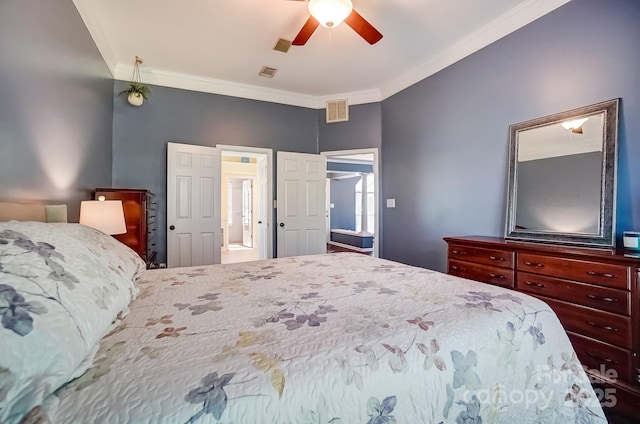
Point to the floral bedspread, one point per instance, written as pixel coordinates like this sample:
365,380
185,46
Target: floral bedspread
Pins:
339,338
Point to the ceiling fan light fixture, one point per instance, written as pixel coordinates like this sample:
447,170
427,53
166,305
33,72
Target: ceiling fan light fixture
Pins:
330,13
575,124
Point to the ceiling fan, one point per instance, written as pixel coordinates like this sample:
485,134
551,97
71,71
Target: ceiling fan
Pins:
329,14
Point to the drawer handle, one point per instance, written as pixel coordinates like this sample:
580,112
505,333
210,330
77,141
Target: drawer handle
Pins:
604,299
458,252
601,274
495,258
501,277
527,263
600,358
457,268
602,327
529,283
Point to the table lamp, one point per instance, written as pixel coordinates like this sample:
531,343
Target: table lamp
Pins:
103,215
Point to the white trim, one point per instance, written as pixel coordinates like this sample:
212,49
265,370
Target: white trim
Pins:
345,160
353,97
215,86
88,15
270,203
505,24
376,182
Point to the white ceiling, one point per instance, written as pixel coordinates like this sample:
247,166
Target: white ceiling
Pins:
219,46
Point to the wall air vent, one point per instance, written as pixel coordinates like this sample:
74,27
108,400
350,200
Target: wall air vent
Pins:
337,111
282,45
267,72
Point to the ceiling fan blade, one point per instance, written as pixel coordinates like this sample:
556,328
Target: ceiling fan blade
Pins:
363,28
306,31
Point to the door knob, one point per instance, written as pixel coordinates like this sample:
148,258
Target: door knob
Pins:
172,227
259,222
282,224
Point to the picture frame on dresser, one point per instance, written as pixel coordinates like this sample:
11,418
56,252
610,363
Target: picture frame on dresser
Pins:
594,292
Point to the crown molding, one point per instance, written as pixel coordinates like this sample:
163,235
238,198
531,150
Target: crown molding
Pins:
505,24
215,86
88,15
353,97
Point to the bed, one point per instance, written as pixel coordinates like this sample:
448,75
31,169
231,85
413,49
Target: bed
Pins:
89,336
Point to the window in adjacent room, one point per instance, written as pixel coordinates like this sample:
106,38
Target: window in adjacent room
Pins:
230,203
365,205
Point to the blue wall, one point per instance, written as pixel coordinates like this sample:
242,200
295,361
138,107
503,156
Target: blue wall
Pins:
140,135
343,197
363,129
56,105
445,139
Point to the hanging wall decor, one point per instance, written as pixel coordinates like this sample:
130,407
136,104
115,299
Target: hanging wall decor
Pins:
137,92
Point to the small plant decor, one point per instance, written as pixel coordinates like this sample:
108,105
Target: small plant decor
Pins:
136,88
137,92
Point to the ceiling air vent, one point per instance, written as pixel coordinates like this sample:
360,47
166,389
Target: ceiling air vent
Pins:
337,111
282,45
267,72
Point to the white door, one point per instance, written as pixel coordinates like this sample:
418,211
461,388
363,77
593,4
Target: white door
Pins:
193,205
247,213
301,204
264,207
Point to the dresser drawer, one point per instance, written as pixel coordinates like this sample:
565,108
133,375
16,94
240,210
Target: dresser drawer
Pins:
603,357
603,298
608,275
484,273
600,325
479,255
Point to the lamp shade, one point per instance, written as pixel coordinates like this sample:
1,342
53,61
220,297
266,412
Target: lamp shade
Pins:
330,13
104,215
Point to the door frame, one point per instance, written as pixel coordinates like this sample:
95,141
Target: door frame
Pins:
268,202
376,182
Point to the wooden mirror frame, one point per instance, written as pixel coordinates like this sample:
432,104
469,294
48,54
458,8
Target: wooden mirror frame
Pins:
605,236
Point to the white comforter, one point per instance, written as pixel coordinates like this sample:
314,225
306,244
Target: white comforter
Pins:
340,338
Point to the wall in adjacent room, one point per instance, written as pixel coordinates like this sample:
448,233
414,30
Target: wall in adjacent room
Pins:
56,105
361,131
343,198
140,134
445,139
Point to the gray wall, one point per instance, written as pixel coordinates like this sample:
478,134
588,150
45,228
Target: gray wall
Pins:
445,139
343,197
56,105
140,135
561,191
362,130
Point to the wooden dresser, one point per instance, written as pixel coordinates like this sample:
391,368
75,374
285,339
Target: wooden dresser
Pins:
139,216
594,292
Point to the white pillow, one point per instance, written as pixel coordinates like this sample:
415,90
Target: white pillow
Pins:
61,287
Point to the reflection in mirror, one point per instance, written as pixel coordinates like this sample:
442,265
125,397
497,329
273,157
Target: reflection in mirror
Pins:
562,177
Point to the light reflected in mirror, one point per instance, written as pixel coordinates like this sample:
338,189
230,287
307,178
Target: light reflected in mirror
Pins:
562,177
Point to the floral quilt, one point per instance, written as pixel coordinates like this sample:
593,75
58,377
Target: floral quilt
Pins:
338,338
61,288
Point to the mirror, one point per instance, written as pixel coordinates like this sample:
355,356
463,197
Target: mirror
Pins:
562,177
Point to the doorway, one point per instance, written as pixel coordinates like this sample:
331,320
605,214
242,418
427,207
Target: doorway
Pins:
353,197
245,204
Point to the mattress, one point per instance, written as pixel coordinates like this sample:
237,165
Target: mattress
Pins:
338,338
